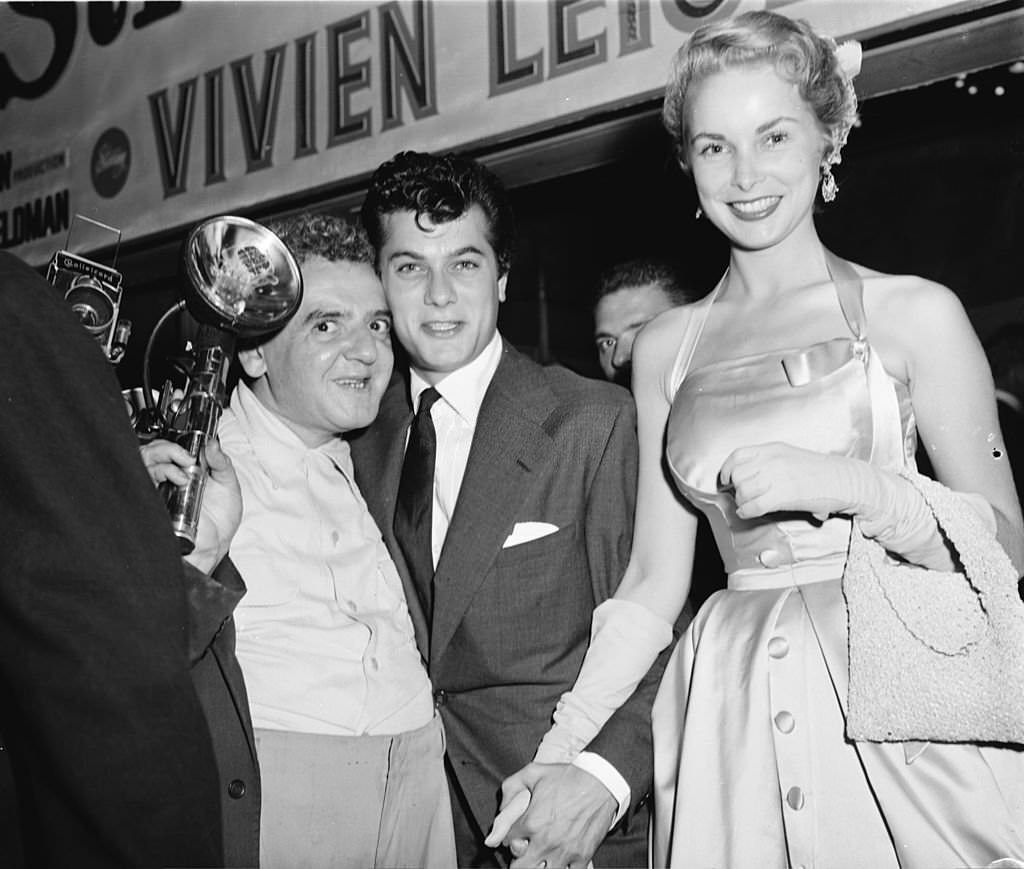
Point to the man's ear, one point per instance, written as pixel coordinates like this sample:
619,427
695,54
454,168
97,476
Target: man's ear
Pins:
502,281
253,363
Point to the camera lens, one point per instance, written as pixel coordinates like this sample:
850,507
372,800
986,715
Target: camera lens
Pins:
91,304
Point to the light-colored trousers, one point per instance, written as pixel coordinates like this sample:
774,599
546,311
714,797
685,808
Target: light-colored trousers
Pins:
331,802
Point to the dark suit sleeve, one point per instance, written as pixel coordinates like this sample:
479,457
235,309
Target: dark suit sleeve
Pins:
625,741
211,602
221,689
110,753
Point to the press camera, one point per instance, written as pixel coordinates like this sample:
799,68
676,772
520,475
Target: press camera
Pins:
93,290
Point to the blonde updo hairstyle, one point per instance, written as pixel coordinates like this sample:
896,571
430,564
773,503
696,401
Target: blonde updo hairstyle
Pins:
797,53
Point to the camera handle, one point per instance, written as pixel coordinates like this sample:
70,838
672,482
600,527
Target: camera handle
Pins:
194,424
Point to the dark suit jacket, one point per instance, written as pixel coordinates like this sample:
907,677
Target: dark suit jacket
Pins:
110,760
221,689
511,625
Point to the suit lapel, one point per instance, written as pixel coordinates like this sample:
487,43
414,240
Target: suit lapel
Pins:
509,448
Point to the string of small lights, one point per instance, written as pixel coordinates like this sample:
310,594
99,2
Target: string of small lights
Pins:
998,81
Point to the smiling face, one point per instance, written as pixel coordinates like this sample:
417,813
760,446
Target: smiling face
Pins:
755,152
325,372
618,317
443,288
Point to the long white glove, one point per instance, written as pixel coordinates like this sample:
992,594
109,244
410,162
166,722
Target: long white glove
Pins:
625,638
779,477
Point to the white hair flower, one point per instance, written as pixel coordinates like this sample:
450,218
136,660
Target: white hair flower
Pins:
849,55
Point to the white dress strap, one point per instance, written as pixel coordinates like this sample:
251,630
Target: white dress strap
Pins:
850,290
688,342
887,445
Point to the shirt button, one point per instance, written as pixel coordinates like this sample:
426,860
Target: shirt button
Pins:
236,789
778,647
335,536
785,722
795,799
770,558
440,698
374,663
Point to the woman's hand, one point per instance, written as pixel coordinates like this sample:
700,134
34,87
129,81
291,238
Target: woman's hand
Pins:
222,497
774,477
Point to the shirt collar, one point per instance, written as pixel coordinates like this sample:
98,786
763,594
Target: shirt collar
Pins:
463,389
272,440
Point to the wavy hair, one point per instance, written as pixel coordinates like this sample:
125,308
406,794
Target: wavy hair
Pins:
791,46
440,188
335,239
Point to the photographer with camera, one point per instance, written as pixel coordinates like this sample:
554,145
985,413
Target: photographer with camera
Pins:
350,746
107,759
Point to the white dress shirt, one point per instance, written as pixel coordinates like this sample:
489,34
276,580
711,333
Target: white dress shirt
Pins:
325,641
454,416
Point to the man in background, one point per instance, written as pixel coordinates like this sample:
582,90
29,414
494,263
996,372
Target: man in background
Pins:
629,296
106,759
505,492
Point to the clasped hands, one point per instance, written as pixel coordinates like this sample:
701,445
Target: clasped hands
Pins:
552,815
222,497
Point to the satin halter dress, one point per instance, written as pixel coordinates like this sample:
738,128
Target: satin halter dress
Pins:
752,768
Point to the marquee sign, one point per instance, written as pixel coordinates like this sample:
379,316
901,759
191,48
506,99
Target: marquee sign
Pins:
152,116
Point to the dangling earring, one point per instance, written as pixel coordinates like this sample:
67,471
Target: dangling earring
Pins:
829,188
699,214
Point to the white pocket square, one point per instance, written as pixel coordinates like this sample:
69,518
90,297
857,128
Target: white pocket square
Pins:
524,532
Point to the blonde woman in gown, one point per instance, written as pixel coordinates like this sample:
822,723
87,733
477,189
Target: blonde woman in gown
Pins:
784,405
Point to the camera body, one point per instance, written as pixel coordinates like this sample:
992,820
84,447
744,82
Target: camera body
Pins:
94,293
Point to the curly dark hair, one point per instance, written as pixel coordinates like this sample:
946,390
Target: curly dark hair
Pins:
335,239
441,188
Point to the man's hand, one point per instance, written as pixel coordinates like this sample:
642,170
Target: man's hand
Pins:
568,816
222,497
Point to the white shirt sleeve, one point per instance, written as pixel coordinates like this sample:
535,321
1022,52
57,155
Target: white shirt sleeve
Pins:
609,776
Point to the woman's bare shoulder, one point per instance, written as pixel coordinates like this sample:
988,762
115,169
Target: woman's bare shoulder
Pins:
908,298
660,338
914,321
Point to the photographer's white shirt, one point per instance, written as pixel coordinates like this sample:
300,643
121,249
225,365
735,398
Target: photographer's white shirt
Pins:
325,641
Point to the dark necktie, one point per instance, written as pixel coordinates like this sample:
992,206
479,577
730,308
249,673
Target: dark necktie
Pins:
414,510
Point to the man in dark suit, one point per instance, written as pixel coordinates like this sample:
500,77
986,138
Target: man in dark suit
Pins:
106,756
527,520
